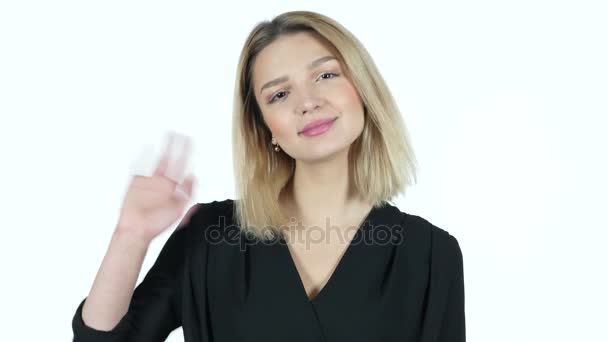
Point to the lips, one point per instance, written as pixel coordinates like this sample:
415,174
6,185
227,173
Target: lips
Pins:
316,123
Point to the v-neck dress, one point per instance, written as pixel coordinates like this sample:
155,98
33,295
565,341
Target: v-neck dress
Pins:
399,279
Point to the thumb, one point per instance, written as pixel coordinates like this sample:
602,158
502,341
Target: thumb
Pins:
183,191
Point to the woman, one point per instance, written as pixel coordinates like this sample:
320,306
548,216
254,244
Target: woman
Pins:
318,142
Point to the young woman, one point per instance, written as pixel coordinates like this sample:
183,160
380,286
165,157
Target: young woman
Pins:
312,250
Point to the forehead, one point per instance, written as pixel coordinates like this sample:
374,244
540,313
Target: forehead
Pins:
289,52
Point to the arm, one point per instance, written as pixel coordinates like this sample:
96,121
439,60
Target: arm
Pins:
454,322
114,312
112,289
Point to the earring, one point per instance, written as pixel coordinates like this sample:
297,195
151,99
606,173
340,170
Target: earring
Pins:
274,142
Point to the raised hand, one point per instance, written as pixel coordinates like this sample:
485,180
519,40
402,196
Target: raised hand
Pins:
152,204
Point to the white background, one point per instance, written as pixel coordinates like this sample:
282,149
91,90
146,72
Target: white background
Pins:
506,103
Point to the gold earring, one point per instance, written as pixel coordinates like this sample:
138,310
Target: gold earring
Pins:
274,142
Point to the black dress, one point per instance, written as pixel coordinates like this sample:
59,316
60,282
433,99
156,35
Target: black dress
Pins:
400,279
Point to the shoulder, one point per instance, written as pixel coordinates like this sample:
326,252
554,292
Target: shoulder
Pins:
209,221
435,235
424,239
202,212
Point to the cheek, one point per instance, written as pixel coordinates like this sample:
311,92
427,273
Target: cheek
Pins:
352,107
273,119
278,124
354,98
349,98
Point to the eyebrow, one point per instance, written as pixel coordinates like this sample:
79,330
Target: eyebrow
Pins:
282,79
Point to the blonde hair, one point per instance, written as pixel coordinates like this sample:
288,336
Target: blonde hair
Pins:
382,160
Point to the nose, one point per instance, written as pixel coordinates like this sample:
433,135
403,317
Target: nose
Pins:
309,102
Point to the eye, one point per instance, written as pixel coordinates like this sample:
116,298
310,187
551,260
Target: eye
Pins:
277,97
332,74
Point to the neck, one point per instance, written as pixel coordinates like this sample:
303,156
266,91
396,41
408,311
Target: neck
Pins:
322,191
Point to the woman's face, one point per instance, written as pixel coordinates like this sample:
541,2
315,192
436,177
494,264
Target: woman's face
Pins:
298,80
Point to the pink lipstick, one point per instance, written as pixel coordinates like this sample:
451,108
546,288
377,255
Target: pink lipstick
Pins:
318,127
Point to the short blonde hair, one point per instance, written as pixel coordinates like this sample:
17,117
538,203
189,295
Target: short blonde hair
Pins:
382,160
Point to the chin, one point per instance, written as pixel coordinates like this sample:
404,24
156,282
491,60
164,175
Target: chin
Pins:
321,153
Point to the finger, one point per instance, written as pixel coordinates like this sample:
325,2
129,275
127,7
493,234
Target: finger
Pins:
188,185
183,192
180,164
162,167
146,183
